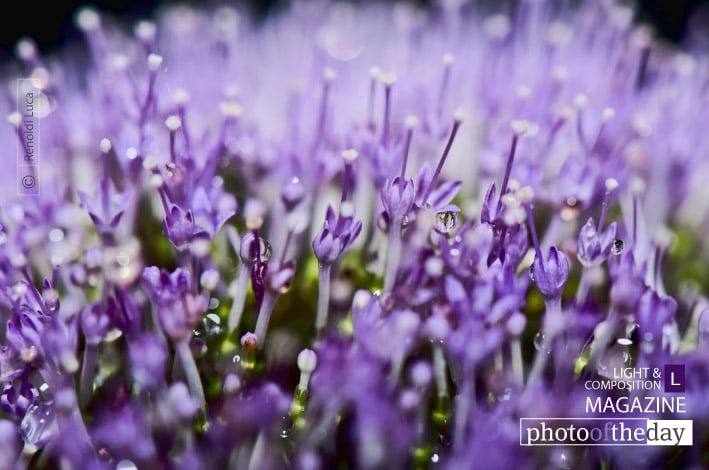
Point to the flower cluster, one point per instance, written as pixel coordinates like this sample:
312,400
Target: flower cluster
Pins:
457,282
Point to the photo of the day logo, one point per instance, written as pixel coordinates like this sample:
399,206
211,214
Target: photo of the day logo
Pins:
674,378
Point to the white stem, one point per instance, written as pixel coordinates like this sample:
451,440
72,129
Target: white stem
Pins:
393,253
517,363
189,367
439,370
304,381
237,308
323,297
499,361
264,317
255,462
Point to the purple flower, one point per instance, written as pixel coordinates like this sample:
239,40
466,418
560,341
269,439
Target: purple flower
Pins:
550,274
338,233
595,247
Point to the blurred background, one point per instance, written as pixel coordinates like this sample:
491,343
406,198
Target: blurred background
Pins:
671,18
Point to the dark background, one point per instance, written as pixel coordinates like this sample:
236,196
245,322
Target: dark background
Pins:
51,23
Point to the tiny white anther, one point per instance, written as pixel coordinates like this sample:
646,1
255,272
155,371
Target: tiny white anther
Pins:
254,222
150,163
180,97
448,59
611,184
346,209
459,115
663,238
350,155
580,101
329,75
231,109
307,361
361,299
607,114
26,49
374,72
637,185
156,180
88,19
154,62
519,127
200,248
568,113
511,200
14,119
105,145
145,31
209,279
411,122
525,194
497,26
173,122
387,79
118,62
514,215
641,37
514,185
434,266
641,124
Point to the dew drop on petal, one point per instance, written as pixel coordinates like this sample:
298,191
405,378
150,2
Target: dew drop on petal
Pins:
126,465
541,343
624,341
39,425
617,247
446,221
264,251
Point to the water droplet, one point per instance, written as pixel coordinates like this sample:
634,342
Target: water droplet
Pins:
126,465
212,325
541,343
285,434
506,395
39,425
624,341
617,247
264,251
446,221
236,359
454,252
435,458
571,209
